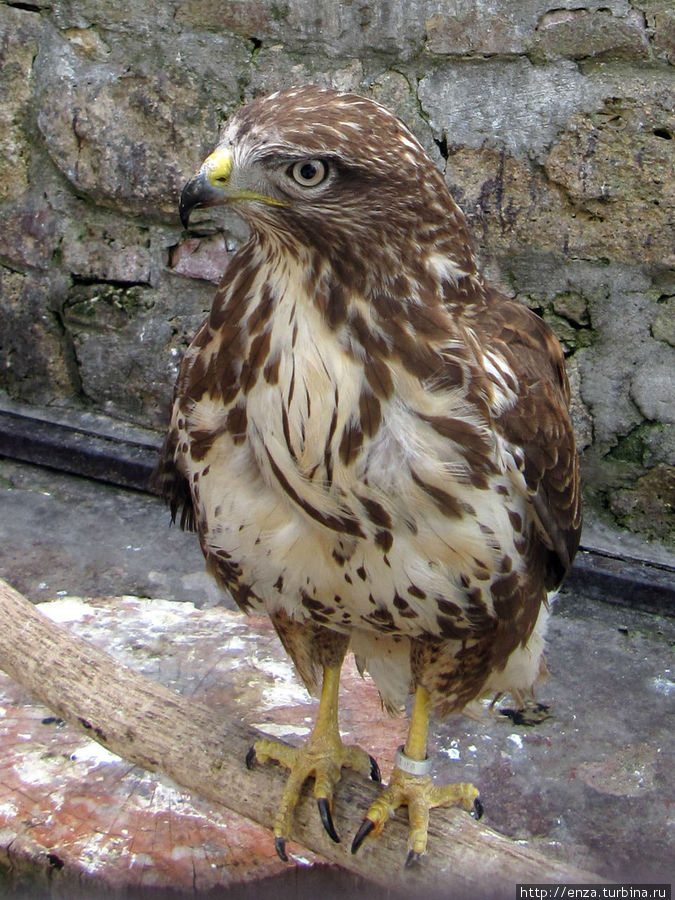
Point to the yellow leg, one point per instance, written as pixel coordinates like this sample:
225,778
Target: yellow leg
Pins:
411,786
322,758
416,745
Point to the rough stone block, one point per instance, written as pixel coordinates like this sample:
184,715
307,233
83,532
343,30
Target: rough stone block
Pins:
119,17
647,446
30,233
107,252
129,134
128,343
658,443
590,34
274,69
651,388
648,506
605,191
36,364
510,204
255,20
19,35
462,31
660,18
491,27
203,258
394,91
622,346
604,138
572,306
509,104
617,164
325,27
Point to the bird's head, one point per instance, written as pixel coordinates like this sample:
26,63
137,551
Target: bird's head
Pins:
325,170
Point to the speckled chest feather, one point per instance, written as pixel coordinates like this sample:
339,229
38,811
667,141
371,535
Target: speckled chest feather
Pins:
344,470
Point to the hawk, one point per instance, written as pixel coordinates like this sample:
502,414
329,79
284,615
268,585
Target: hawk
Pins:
372,443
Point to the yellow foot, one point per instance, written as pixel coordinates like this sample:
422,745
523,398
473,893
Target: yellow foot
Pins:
420,795
322,758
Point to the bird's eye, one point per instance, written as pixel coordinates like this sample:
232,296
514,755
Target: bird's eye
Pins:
308,172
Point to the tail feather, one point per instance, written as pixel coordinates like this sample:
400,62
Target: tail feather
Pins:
172,486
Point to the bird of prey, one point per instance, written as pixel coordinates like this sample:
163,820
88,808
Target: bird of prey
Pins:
372,443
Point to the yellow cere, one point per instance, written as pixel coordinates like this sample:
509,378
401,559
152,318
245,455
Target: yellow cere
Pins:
218,166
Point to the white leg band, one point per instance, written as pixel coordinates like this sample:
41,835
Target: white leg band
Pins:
411,766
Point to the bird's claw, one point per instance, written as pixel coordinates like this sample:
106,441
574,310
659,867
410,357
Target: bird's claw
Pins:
320,758
327,819
280,847
413,859
420,795
366,827
250,758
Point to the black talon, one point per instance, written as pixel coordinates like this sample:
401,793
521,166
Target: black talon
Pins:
366,827
250,758
280,847
477,811
327,819
533,714
375,774
413,860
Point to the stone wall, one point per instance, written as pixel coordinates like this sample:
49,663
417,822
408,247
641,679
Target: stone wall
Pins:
554,122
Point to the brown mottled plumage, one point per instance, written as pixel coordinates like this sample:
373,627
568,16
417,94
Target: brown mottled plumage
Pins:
373,444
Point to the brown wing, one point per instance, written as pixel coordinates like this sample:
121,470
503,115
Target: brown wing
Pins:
167,479
539,424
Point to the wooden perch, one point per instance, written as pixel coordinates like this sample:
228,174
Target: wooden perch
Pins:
160,730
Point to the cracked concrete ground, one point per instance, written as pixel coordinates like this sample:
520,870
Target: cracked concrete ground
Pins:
592,783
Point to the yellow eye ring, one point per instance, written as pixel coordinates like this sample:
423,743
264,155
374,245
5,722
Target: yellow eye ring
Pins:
308,172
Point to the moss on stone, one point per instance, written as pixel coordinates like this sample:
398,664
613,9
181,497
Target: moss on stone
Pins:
648,445
648,507
97,302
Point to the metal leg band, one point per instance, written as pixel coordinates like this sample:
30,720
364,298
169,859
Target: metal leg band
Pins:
412,766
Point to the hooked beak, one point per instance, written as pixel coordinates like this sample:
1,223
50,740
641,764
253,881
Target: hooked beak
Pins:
208,187
211,187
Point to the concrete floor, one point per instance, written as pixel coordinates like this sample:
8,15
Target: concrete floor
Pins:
592,783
